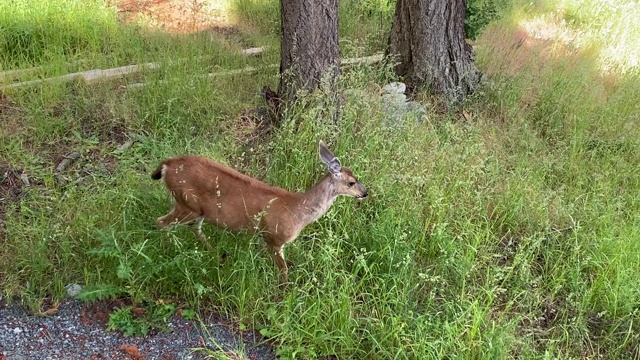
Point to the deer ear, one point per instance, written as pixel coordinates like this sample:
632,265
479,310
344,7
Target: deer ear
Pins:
333,164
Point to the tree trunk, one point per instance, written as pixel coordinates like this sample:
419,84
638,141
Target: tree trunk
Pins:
427,36
309,47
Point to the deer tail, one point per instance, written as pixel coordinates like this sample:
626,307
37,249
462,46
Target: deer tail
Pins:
158,172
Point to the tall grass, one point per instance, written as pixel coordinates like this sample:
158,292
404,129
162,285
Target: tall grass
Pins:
35,35
510,235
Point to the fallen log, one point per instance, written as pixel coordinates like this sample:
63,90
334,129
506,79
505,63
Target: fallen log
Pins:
96,75
366,60
89,77
11,75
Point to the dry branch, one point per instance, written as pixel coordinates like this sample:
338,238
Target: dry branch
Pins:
68,159
122,148
92,76
63,78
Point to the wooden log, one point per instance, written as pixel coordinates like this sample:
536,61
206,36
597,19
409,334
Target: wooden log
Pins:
11,75
89,76
63,78
253,51
97,75
94,76
366,60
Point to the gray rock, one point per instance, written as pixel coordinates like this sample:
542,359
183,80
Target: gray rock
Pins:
394,88
417,110
73,290
397,108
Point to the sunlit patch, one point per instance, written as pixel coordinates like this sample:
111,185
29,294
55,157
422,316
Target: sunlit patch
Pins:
177,16
620,57
545,28
607,28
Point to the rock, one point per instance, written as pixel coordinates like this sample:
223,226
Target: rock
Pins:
394,88
396,106
417,110
73,289
17,330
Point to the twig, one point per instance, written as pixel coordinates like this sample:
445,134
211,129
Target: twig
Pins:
25,179
67,161
122,148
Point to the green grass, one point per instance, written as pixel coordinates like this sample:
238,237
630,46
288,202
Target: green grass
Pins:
512,235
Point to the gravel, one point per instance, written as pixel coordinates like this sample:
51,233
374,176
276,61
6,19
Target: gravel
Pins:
77,331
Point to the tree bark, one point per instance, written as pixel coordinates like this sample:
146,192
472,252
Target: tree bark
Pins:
427,38
309,50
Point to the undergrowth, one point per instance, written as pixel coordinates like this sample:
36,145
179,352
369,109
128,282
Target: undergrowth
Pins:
505,233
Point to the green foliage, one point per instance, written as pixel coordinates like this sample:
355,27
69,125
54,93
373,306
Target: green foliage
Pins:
64,28
190,314
96,292
480,13
153,317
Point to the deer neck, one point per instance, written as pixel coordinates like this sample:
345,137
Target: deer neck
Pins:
316,201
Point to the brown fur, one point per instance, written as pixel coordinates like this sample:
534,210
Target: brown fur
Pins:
205,190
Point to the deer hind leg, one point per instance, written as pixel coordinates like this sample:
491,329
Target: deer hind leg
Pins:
182,215
202,237
277,252
178,215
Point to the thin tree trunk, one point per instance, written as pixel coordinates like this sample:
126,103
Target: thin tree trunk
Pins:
309,50
427,36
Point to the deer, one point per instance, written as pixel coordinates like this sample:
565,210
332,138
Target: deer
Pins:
202,189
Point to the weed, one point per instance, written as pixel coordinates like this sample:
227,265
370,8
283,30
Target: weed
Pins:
135,321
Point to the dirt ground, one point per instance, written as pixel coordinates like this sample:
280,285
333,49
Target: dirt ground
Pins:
176,16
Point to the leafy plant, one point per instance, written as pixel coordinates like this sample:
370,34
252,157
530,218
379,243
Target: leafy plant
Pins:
188,314
480,13
133,321
96,292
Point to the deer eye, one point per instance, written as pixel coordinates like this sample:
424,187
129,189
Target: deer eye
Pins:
351,183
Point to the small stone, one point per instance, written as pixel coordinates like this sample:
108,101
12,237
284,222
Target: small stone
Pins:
17,331
394,88
394,106
73,289
417,110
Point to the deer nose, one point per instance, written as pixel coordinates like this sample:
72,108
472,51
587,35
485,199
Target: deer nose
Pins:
366,193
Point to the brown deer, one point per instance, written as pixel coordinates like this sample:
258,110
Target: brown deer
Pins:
205,190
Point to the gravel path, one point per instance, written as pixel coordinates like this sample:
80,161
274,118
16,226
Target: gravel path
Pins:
76,331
